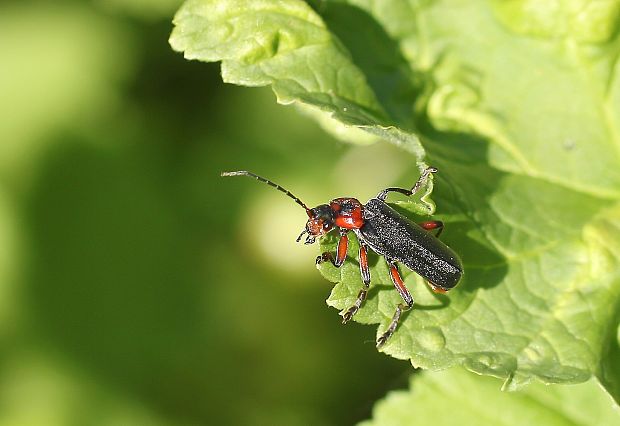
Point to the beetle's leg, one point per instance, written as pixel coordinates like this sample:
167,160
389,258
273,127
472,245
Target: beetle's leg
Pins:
390,330
341,251
436,288
399,284
408,192
433,224
404,293
365,272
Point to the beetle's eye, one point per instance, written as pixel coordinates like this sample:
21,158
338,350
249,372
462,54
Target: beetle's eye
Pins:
326,225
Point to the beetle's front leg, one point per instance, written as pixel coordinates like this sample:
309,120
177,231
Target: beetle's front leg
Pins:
341,251
404,293
365,272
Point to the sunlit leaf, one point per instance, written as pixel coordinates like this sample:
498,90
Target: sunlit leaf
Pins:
457,397
287,45
518,105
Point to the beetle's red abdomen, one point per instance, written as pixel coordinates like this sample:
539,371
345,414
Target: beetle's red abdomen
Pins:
349,212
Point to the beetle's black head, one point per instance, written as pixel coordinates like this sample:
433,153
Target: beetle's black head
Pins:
320,221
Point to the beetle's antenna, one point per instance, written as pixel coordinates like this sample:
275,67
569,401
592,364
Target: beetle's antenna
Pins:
268,182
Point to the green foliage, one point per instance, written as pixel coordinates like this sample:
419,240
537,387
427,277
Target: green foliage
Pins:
442,397
518,105
287,45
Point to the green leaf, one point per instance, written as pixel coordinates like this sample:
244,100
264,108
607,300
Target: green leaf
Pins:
457,397
518,105
286,44
525,132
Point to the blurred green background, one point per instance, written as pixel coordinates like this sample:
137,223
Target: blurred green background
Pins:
137,287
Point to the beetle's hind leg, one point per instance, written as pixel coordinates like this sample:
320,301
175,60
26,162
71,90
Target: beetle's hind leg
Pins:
431,225
404,293
400,308
365,272
341,251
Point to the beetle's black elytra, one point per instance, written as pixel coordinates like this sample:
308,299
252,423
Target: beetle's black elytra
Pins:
382,229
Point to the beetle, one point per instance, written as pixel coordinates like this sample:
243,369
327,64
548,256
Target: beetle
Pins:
388,233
